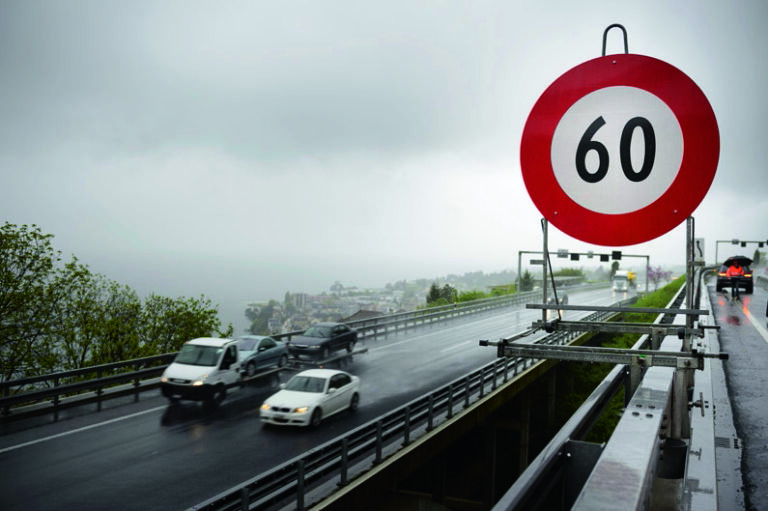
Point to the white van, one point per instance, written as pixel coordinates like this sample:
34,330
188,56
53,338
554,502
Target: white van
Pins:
203,370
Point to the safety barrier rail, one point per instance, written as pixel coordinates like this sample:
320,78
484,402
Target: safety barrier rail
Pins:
365,445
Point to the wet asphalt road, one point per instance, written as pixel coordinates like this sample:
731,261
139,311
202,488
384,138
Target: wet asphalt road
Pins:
150,456
744,336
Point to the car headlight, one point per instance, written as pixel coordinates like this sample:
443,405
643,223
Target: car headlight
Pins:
200,381
302,409
315,347
265,407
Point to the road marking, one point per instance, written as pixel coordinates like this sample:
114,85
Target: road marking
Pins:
454,347
67,433
760,330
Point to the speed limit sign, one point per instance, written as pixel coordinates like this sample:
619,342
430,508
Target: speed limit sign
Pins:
619,150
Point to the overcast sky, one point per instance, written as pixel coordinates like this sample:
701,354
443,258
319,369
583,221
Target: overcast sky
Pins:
245,149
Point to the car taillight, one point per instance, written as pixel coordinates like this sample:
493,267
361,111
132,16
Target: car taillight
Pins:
748,275
721,274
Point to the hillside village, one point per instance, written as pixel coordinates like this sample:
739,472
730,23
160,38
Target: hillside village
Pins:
297,310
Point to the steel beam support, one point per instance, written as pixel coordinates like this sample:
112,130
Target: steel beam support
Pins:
629,459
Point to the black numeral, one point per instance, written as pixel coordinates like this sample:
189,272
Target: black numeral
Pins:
586,144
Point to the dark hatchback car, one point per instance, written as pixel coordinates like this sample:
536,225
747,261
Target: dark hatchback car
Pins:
745,281
321,339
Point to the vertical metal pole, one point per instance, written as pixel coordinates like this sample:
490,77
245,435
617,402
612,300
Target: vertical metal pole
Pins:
544,227
689,241
647,267
449,415
519,269
684,377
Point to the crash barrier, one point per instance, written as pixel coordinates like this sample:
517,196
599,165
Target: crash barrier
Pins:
52,393
361,449
98,382
564,456
402,321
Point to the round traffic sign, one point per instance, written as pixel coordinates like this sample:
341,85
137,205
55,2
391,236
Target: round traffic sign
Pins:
619,150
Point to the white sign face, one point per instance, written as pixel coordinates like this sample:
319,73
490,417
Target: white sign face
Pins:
617,150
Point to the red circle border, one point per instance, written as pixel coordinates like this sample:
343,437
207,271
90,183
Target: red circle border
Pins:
701,149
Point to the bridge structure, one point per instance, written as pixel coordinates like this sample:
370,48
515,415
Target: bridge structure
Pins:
495,430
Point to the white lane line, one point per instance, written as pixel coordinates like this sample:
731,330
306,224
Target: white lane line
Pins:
455,347
67,433
760,330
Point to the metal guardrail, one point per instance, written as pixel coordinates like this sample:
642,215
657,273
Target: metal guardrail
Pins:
71,383
364,446
98,383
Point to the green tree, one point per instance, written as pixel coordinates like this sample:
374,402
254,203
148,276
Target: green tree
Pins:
756,257
28,297
441,295
449,293
526,281
56,317
76,325
167,323
434,293
614,268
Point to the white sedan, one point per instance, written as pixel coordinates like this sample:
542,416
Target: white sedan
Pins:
310,396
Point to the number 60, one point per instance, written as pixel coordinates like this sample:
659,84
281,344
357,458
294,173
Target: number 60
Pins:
586,144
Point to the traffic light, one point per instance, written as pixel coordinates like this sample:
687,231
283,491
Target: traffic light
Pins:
616,255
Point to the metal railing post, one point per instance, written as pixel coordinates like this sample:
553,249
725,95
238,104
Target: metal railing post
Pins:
379,442
99,390
300,485
407,427
430,413
244,497
466,393
55,402
344,461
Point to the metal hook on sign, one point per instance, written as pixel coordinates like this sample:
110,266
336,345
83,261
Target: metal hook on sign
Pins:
605,37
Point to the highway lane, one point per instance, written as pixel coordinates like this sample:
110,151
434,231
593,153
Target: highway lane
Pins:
148,455
744,336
